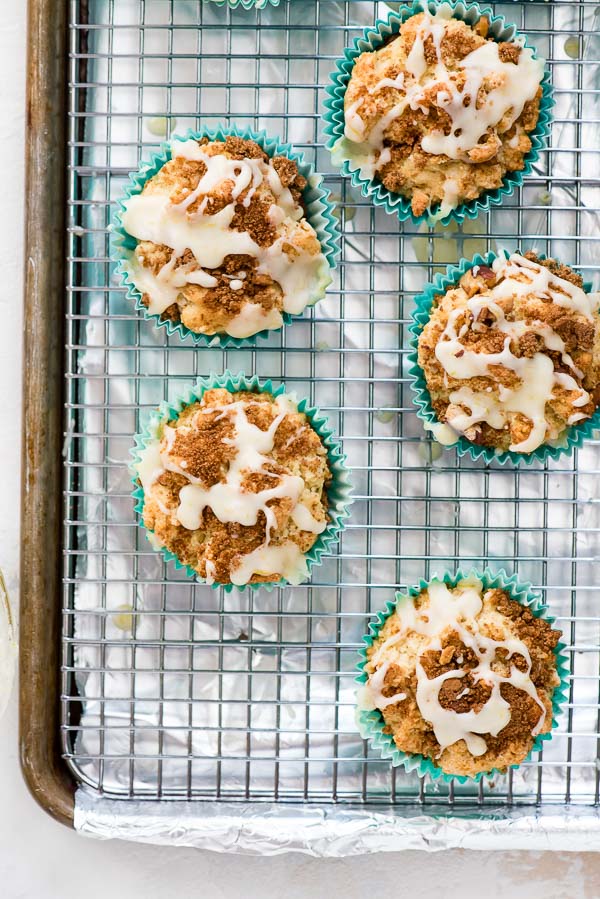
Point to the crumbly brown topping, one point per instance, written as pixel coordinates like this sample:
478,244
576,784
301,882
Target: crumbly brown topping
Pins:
290,177
410,170
413,734
204,451
201,447
581,339
237,147
254,219
211,309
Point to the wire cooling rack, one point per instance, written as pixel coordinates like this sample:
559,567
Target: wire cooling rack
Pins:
171,689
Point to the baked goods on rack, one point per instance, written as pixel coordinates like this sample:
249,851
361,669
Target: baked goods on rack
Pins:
442,111
463,676
236,487
511,354
223,242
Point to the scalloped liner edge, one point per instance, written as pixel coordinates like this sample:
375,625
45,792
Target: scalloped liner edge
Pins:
396,204
320,214
340,490
575,435
372,722
246,4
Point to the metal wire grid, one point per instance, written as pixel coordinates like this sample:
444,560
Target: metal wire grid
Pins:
284,677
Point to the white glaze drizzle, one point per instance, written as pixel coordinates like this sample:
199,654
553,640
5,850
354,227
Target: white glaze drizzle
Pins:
450,198
517,277
286,559
522,277
153,217
253,318
227,499
442,432
163,288
375,687
457,609
517,83
305,520
211,570
150,466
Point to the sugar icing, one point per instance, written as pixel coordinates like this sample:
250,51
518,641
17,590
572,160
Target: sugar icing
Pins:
516,84
153,217
517,277
227,499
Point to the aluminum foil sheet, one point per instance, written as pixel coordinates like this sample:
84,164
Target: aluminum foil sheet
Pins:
227,721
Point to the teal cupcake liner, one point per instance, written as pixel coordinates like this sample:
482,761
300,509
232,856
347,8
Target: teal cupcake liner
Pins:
573,436
371,722
372,38
338,493
319,212
245,4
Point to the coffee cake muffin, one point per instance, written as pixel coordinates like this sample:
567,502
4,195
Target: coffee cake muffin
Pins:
511,354
223,243
441,112
463,676
235,487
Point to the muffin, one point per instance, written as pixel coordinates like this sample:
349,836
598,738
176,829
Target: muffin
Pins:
235,486
511,354
224,246
441,112
463,676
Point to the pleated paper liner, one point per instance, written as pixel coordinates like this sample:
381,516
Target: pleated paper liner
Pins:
371,722
573,436
245,4
338,492
374,37
320,213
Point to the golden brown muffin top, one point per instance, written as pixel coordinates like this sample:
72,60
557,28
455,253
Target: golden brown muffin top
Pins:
235,487
441,112
463,676
223,242
511,355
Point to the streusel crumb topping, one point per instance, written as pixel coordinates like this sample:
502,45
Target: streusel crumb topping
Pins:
224,245
235,487
442,111
511,355
464,676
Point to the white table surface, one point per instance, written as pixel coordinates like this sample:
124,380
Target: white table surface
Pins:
40,859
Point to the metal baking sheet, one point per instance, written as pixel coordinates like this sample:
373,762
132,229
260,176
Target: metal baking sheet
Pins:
239,709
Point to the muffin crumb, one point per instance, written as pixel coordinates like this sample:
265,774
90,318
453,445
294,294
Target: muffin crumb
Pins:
464,676
442,112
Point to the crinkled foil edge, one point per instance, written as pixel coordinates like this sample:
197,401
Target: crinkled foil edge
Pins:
256,829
